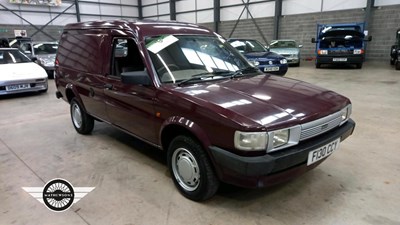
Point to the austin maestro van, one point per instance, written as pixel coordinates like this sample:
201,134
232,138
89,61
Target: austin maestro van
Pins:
183,89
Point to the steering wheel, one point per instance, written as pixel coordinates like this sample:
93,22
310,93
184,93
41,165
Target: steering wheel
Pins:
164,70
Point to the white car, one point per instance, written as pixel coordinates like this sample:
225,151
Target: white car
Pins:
19,74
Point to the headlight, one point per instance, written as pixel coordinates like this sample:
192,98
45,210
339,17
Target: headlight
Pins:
294,55
346,112
250,141
283,61
280,138
358,51
254,62
322,52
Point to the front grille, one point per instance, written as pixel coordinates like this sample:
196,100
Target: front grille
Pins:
286,55
320,126
340,52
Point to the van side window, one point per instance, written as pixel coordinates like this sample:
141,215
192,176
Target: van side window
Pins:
126,57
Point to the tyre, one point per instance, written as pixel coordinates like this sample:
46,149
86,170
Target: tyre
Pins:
82,121
317,65
397,65
392,61
296,64
50,74
191,169
359,65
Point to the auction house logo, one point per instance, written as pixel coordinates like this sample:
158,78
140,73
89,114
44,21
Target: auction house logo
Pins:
58,194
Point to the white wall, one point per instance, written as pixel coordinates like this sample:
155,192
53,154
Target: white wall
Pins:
386,2
94,11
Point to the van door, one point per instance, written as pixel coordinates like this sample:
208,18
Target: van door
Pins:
129,107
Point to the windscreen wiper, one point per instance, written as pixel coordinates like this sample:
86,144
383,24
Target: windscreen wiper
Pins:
239,73
201,76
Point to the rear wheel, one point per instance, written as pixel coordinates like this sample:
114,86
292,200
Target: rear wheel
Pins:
82,121
191,169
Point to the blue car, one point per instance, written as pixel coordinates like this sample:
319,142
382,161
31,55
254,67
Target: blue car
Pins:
257,54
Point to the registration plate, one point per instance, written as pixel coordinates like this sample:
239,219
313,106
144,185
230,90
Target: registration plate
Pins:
322,152
272,68
340,59
17,87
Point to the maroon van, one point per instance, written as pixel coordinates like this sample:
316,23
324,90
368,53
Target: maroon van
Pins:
184,89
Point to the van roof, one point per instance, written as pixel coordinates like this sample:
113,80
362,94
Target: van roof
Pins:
143,28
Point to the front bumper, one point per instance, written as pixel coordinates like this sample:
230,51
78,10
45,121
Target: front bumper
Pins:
283,68
34,85
330,59
275,167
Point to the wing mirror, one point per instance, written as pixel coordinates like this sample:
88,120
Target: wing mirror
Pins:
300,46
136,77
313,40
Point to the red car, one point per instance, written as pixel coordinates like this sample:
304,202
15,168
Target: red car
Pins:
185,90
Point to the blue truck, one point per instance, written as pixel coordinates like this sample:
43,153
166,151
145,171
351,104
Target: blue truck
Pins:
340,44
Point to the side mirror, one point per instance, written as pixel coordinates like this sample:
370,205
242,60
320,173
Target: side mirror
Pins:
34,59
369,38
267,47
136,77
300,46
313,40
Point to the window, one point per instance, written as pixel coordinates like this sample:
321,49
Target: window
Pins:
126,57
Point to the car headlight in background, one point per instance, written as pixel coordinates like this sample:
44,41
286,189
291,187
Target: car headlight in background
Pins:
46,62
254,62
250,141
346,112
283,61
322,52
358,51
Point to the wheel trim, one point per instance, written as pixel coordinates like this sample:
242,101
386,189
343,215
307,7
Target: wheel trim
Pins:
76,116
186,170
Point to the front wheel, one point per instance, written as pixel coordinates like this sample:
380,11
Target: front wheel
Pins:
191,169
397,64
359,65
82,121
392,61
318,65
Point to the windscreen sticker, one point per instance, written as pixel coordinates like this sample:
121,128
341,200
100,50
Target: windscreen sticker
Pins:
160,43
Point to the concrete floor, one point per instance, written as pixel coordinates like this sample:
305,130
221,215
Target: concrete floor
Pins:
358,184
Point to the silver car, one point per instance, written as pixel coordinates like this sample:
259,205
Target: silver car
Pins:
288,48
43,53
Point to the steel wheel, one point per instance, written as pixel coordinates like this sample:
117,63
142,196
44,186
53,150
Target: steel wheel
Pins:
76,116
191,169
185,169
82,121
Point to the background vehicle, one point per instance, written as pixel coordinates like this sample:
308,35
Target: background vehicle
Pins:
340,44
19,73
268,62
43,53
395,51
287,48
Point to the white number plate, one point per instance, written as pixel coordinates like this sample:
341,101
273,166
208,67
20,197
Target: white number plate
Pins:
340,59
322,152
17,87
272,68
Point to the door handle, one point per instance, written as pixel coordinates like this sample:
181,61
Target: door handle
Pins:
108,86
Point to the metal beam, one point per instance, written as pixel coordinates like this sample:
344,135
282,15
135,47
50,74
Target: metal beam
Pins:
368,12
140,9
277,16
41,28
172,10
255,23
237,21
77,10
22,18
217,14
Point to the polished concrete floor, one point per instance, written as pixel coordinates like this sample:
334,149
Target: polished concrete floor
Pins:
358,184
